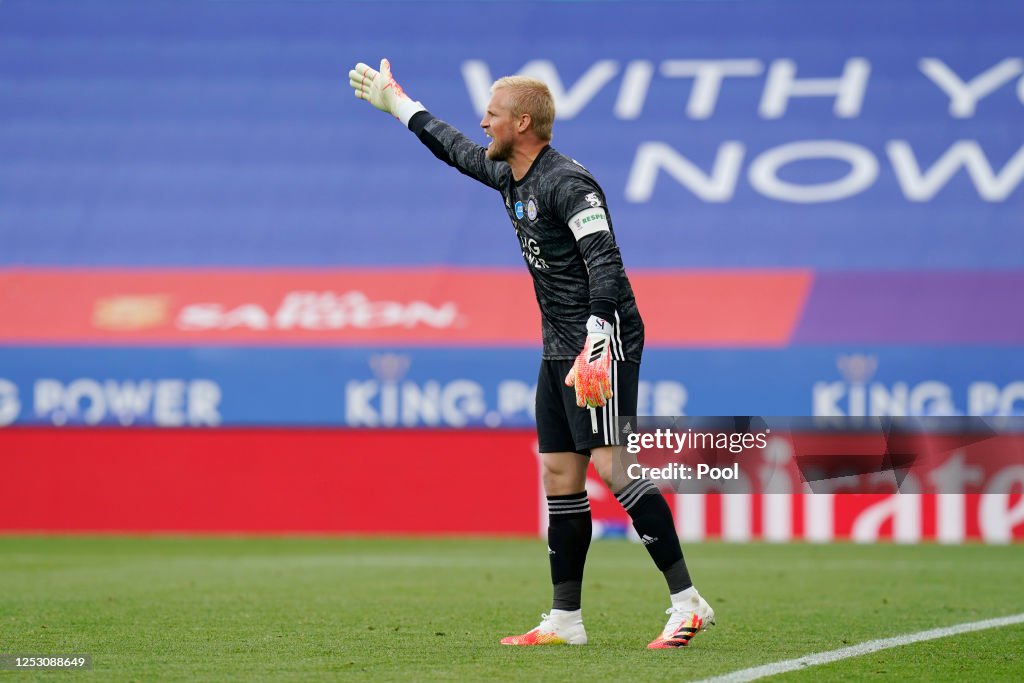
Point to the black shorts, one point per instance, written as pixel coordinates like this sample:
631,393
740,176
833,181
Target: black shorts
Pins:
563,426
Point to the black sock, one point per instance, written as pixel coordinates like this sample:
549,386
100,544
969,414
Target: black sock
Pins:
652,519
569,532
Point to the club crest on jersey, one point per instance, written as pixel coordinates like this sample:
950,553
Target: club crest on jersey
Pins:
519,209
531,209
593,199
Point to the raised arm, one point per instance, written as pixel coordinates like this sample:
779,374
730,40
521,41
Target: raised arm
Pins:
446,142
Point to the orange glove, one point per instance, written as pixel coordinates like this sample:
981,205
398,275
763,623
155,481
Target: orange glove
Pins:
591,373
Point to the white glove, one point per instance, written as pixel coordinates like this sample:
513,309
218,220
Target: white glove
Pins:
380,89
591,373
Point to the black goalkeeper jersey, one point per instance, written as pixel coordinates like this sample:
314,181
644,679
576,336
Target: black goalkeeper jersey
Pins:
560,218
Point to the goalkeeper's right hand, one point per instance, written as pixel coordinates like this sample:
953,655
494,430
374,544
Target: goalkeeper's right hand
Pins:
380,89
591,373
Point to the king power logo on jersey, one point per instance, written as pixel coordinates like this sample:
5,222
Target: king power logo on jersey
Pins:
531,251
858,395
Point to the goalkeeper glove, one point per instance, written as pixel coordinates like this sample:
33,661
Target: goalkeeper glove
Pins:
380,89
591,373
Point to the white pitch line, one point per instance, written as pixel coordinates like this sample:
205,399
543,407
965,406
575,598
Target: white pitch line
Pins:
754,673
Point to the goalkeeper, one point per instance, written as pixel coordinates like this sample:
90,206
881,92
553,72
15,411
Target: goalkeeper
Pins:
592,331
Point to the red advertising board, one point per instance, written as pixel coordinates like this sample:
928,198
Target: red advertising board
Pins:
268,481
422,306
414,482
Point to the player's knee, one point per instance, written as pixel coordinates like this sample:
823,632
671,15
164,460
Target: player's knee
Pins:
557,484
560,482
563,474
604,469
607,476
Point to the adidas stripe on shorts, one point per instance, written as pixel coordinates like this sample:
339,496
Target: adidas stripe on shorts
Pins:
563,426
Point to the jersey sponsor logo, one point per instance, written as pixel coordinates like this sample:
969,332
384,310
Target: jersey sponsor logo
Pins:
593,199
531,251
519,209
588,221
531,209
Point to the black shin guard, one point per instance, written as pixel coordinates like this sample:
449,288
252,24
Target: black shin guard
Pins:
652,520
569,532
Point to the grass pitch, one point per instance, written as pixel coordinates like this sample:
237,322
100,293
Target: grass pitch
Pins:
306,609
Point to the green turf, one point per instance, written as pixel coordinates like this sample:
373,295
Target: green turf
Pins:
420,610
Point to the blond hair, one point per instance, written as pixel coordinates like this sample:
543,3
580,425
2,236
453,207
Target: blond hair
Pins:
530,96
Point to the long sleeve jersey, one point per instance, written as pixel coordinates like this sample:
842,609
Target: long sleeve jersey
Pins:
564,230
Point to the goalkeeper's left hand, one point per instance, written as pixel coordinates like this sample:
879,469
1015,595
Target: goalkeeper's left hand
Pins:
591,373
380,89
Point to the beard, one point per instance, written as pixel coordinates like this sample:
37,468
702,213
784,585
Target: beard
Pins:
499,151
